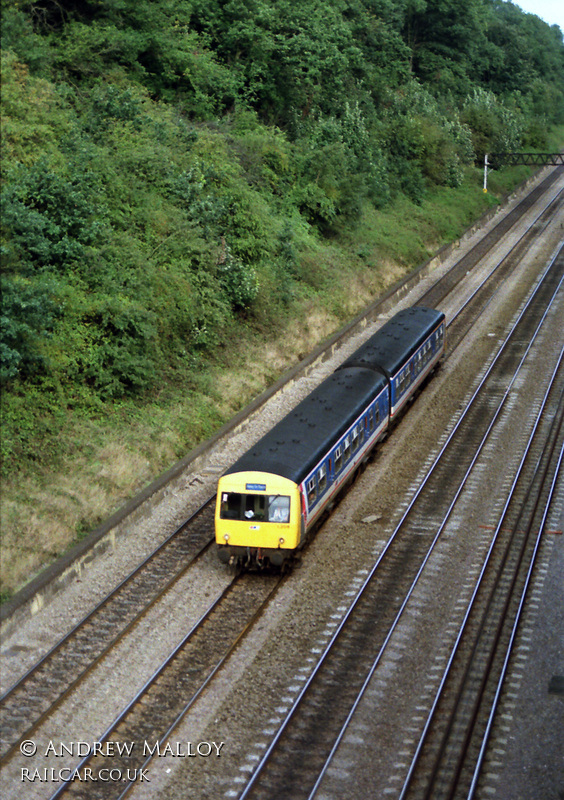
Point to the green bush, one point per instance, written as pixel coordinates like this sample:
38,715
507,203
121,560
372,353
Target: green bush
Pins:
47,218
172,171
28,316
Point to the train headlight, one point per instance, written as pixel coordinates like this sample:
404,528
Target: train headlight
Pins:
226,537
281,540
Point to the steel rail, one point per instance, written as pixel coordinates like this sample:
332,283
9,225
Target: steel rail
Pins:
326,348
485,739
502,260
161,671
435,540
436,293
143,690
90,619
477,587
105,600
350,611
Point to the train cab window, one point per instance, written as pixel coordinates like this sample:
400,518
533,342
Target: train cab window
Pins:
347,450
322,478
235,505
278,508
338,459
311,492
230,505
256,507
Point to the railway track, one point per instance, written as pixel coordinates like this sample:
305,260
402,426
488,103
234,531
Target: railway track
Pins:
486,245
164,700
301,751
438,292
38,693
73,658
449,753
461,323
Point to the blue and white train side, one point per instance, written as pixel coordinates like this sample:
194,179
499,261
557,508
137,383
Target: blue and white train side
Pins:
272,497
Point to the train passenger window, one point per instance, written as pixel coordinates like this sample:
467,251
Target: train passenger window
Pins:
338,459
278,508
370,420
311,492
347,450
355,438
322,478
377,414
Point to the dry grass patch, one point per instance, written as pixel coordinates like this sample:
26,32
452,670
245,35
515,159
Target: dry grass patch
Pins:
42,514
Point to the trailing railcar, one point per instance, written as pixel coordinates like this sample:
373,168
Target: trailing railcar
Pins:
272,497
405,349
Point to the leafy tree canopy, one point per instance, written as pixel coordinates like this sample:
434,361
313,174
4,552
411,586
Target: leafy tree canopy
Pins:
164,163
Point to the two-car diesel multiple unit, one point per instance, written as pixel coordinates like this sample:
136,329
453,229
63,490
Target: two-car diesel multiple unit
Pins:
271,498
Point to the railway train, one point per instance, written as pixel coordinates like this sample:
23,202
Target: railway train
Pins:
271,498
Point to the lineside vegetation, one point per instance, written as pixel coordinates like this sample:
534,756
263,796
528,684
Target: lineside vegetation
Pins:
196,192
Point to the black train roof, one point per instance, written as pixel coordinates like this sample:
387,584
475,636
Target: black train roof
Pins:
298,442
396,341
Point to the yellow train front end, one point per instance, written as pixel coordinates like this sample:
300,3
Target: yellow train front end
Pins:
258,519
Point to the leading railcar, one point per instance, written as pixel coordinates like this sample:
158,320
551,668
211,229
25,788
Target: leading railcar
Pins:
271,498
